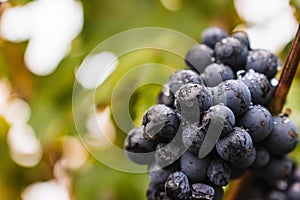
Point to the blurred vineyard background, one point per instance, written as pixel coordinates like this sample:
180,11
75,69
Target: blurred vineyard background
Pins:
41,156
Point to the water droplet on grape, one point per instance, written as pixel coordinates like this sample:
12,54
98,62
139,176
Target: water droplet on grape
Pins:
240,73
285,120
274,82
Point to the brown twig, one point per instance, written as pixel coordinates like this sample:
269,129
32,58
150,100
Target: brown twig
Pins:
275,106
286,78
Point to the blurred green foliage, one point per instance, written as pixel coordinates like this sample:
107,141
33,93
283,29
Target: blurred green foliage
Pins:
50,97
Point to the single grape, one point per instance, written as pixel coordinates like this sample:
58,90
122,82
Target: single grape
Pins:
201,191
284,136
258,121
219,115
214,74
138,148
234,94
230,51
160,123
198,57
259,87
277,168
176,80
212,35
159,175
236,146
191,101
193,167
181,77
262,157
218,172
263,61
242,36
177,186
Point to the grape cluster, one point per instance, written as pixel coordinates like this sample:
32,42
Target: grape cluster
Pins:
210,124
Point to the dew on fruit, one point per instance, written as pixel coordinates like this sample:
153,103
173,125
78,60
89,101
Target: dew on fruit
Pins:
240,73
227,119
274,82
286,120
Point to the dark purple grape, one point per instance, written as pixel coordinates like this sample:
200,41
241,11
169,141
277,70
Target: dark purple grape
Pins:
201,191
160,123
138,148
176,80
242,36
284,136
258,121
198,57
159,175
191,101
233,94
177,186
219,117
193,137
179,78
212,35
293,192
218,172
214,74
263,61
236,146
193,167
259,87
230,51
277,168
262,157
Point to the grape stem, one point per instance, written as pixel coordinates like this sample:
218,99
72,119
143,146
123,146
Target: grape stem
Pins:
286,78
275,107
